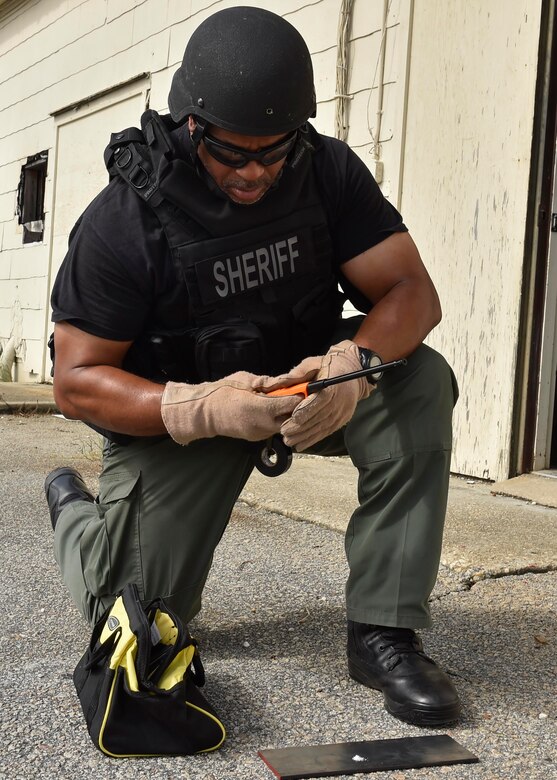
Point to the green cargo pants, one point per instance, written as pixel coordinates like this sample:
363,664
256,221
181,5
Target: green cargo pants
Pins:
162,508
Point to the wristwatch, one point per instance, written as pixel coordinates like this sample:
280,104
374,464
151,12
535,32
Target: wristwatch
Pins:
368,359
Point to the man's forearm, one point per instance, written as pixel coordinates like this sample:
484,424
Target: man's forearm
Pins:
111,398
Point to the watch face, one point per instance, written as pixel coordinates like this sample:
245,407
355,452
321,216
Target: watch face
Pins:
368,359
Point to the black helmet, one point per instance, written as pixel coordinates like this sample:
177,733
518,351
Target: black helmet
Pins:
246,70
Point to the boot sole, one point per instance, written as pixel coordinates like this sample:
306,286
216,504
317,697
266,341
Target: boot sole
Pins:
416,714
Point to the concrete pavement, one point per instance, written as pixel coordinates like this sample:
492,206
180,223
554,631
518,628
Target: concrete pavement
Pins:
18,397
272,627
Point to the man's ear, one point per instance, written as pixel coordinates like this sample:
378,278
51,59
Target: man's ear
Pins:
196,130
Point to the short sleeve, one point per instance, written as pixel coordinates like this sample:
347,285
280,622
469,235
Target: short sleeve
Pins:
106,283
359,215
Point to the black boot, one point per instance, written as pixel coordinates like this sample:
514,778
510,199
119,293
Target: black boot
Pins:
392,660
62,486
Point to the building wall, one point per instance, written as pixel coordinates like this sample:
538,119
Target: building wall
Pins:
470,116
54,54
378,88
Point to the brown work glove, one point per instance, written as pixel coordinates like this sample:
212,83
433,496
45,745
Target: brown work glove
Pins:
229,407
324,412
305,371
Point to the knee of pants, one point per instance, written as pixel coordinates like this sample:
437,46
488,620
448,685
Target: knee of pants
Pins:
426,368
410,411
425,382
430,378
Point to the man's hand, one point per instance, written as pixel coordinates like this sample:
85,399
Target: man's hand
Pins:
233,406
328,410
306,371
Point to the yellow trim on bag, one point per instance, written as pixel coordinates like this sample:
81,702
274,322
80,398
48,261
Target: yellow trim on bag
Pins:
209,715
103,724
125,651
175,671
153,755
119,613
124,654
167,629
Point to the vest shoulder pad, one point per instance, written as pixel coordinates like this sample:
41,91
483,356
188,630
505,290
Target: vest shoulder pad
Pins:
137,155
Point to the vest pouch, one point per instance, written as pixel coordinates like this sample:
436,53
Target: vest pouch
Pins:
221,350
172,355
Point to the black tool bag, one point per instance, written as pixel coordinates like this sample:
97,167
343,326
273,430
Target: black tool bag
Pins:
138,684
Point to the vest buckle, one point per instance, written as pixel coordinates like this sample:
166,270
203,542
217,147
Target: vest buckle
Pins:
122,156
138,177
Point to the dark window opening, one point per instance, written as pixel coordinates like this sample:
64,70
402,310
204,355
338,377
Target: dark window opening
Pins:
30,197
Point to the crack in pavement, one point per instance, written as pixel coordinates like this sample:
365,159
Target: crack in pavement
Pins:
465,583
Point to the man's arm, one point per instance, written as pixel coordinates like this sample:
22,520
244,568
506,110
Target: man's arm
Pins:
405,308
405,303
90,384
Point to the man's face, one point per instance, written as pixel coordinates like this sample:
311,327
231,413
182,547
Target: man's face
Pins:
247,184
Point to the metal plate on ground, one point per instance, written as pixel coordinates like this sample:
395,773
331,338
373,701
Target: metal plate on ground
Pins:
347,758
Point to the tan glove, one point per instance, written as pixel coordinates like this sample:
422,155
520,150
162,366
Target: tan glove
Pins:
229,407
322,413
305,371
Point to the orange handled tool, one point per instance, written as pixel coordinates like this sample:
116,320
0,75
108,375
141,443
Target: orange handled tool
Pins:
306,388
273,457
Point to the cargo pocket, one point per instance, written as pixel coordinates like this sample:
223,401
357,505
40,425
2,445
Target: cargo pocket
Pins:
110,554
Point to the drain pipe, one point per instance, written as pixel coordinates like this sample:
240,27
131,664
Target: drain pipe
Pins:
343,60
376,149
404,126
380,88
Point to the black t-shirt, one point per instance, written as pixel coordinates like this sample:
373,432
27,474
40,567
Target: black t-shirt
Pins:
119,263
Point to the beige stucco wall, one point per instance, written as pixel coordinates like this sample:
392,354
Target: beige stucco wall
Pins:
368,39
465,188
51,53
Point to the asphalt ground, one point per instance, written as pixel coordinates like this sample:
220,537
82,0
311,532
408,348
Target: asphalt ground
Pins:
272,638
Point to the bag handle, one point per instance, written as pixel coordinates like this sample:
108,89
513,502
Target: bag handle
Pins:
140,626
96,654
142,630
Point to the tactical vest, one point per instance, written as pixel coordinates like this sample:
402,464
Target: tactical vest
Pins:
257,289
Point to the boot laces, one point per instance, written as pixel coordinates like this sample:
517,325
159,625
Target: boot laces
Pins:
403,644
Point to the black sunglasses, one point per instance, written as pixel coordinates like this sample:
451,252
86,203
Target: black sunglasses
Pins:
237,157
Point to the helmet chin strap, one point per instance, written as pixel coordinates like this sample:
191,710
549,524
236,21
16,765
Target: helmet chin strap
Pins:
195,138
